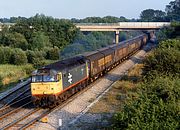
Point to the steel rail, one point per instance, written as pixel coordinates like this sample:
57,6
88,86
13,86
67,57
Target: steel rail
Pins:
10,105
26,90
14,91
20,119
14,110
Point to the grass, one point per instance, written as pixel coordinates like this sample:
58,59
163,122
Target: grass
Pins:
136,71
11,74
114,99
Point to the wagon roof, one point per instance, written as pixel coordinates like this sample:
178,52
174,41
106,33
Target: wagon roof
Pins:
106,51
93,55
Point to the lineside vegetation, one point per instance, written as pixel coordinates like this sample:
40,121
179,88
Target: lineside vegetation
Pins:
157,102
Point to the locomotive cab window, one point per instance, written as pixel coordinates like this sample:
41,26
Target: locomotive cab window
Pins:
49,78
44,78
37,78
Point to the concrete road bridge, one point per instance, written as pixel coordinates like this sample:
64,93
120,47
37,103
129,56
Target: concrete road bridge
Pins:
121,26
114,27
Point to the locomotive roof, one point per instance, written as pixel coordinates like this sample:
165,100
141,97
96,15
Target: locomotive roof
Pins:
67,63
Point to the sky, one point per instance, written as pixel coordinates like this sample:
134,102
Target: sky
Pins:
78,8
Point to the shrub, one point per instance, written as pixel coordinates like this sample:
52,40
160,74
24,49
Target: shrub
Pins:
164,61
37,62
19,57
10,74
156,108
170,43
5,55
28,69
1,81
34,56
30,55
53,53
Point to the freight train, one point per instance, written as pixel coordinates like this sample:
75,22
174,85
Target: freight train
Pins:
54,83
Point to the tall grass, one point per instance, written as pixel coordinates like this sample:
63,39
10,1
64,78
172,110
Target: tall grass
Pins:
12,73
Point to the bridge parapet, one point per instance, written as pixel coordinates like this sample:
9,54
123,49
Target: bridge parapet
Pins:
121,25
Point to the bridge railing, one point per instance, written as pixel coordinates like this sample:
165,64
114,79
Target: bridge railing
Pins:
128,24
143,24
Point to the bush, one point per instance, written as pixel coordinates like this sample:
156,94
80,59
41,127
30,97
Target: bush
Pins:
163,61
34,56
5,55
1,83
170,43
157,107
12,56
10,74
30,56
37,62
53,53
28,69
19,57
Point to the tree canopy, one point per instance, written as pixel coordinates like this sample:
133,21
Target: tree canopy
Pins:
150,15
172,13
58,32
173,10
106,19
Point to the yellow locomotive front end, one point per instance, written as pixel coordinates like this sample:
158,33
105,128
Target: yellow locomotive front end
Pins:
46,84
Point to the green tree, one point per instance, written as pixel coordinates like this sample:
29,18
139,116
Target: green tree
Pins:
5,55
53,53
173,10
19,57
169,32
156,107
39,41
150,15
15,40
60,32
165,61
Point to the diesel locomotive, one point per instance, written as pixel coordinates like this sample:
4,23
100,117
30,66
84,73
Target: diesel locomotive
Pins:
54,83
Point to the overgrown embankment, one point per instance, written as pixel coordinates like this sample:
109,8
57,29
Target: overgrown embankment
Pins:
11,74
156,102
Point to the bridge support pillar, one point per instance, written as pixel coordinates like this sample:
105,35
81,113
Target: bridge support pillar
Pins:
117,37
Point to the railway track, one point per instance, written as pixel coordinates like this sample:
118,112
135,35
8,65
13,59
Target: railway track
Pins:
15,95
28,120
14,107
14,110
14,101
32,116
